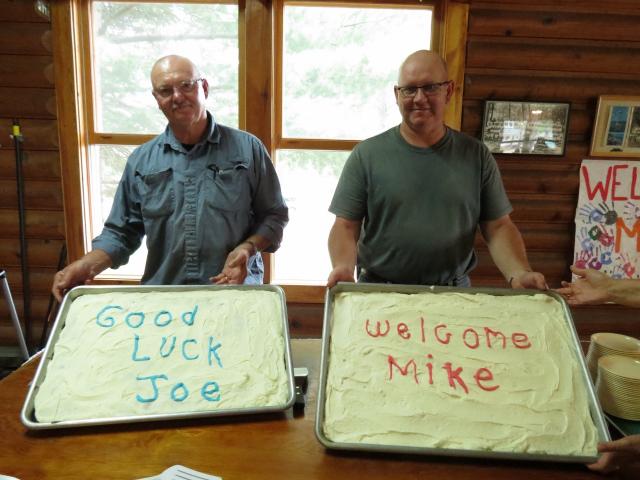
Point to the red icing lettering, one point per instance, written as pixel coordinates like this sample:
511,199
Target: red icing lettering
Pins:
489,333
377,332
454,375
430,369
403,371
403,330
422,328
447,335
520,340
476,338
485,375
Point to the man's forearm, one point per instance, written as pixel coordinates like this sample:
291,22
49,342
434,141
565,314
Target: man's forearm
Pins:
508,251
625,292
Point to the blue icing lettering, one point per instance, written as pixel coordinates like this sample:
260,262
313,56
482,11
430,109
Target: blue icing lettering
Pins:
134,314
134,355
153,379
210,391
213,350
189,318
176,396
109,321
159,315
184,349
164,342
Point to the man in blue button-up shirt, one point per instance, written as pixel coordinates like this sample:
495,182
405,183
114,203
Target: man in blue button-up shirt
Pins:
206,196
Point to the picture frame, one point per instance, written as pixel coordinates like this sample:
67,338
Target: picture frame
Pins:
525,127
616,130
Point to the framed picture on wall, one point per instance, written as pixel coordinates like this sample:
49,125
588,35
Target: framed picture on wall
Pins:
526,128
616,131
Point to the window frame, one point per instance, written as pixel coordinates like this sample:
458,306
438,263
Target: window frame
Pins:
259,31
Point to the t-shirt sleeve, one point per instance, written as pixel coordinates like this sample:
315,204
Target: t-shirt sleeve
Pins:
495,202
350,197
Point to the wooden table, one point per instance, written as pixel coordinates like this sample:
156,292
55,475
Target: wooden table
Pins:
276,446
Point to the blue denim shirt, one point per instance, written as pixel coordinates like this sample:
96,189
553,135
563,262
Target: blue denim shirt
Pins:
194,206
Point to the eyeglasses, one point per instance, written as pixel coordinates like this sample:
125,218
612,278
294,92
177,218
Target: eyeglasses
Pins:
186,86
428,90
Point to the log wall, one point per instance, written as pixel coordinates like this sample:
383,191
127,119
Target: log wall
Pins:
27,95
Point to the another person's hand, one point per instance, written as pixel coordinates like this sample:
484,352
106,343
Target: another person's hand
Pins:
591,288
340,274
529,280
235,267
617,454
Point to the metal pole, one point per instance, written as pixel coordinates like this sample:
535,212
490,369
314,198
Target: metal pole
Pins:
26,291
14,314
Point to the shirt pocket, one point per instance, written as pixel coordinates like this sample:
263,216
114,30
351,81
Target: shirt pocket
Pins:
229,188
157,193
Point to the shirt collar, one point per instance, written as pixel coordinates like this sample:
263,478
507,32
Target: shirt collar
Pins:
212,135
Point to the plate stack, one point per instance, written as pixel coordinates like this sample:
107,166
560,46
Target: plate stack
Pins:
610,344
618,386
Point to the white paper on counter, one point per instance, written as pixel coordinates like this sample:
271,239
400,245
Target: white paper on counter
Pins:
179,472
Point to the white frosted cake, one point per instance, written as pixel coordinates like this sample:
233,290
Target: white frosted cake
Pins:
456,371
129,354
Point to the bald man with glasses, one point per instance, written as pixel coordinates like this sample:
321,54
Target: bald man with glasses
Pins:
206,197
409,201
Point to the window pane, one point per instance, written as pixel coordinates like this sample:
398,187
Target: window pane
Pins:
340,65
308,180
106,164
129,37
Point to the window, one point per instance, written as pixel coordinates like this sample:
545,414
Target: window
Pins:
335,87
335,64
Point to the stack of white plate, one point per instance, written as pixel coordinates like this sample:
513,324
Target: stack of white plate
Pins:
610,344
618,386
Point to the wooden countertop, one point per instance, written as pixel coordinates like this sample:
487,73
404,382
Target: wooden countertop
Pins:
275,446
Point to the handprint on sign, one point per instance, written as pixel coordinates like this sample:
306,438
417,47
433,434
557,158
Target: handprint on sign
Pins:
582,259
628,267
617,272
606,238
591,214
595,263
606,258
610,216
585,240
631,212
595,232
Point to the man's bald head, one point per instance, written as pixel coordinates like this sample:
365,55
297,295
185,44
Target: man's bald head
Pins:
423,60
173,63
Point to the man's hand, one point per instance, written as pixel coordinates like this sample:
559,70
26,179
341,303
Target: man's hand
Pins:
340,274
618,454
235,267
590,288
80,272
529,280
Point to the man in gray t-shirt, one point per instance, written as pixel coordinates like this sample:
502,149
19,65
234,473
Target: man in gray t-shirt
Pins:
409,201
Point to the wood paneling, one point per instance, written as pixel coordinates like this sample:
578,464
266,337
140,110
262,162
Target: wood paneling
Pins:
42,195
25,38
37,134
36,165
28,102
26,71
558,51
19,11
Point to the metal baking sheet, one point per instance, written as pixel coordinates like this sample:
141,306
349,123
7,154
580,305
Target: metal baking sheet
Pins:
28,410
594,405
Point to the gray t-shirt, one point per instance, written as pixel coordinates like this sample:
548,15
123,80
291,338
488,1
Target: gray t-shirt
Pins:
420,206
